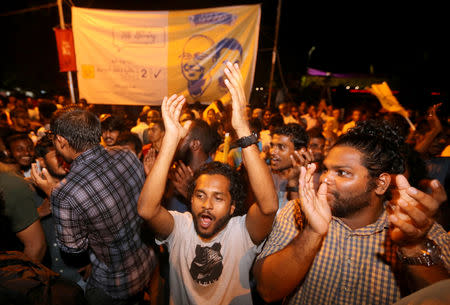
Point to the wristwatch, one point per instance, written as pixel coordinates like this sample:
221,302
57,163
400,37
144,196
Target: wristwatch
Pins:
247,141
430,255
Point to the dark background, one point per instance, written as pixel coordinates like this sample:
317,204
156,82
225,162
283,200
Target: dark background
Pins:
404,43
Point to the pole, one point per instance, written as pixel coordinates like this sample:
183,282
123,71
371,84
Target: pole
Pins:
69,73
274,52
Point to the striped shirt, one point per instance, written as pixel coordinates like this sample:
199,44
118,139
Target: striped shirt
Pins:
95,209
353,266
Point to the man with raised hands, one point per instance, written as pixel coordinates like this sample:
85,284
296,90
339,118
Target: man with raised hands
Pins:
210,249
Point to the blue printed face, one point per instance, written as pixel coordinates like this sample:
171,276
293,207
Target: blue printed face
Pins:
196,59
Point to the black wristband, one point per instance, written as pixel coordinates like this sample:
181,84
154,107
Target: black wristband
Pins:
292,189
247,141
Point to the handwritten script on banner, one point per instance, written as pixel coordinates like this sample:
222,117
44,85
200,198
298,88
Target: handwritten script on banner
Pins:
137,58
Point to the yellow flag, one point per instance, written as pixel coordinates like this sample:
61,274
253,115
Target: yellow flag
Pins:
388,101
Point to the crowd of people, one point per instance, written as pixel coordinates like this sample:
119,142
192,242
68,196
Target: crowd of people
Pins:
222,203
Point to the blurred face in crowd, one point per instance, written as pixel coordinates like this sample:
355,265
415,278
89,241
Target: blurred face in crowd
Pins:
356,115
284,109
21,121
185,117
22,150
61,100
317,147
54,164
438,144
281,148
110,137
211,205
349,185
154,132
266,117
211,116
302,107
257,113
336,113
294,111
153,115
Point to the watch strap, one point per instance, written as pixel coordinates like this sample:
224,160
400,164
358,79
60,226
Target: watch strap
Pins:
429,256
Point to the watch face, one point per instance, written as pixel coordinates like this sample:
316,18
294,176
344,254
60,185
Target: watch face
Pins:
431,255
432,249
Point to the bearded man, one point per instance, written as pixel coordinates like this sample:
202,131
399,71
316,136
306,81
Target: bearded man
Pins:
350,242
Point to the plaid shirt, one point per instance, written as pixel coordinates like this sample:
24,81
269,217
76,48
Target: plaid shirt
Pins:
353,266
95,209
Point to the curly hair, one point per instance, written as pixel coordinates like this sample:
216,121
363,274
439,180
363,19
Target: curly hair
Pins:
296,133
381,144
237,190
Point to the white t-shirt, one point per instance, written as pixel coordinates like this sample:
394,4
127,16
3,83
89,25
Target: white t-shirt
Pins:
216,272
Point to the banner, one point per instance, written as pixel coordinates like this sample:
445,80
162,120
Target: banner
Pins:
66,50
138,57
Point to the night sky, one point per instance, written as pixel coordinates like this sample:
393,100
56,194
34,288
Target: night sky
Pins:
404,43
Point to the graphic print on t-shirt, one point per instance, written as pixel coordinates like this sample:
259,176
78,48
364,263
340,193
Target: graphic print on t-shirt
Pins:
207,266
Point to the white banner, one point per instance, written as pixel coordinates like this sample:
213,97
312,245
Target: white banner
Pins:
138,57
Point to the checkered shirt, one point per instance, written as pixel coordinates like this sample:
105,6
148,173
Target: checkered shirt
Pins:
95,209
353,266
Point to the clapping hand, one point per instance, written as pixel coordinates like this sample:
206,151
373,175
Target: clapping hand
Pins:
170,111
180,176
300,158
314,204
234,83
149,160
43,179
411,211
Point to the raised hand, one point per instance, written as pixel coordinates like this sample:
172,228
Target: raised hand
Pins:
412,211
314,204
170,111
299,159
433,119
180,176
234,83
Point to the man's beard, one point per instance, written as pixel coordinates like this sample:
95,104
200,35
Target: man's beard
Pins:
109,141
343,207
55,175
218,226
